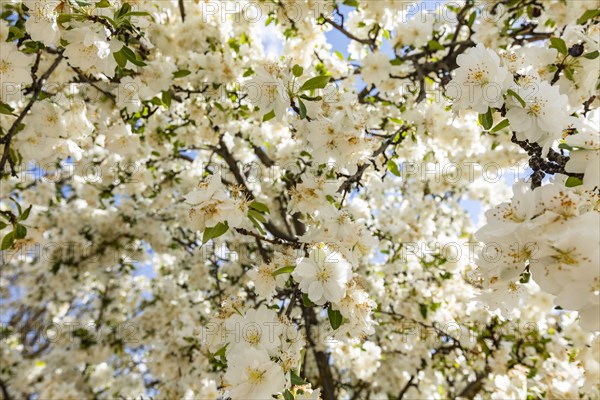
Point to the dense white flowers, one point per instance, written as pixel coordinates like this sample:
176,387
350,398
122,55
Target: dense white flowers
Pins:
549,234
250,200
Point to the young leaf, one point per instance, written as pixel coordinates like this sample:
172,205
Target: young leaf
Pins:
166,98
269,116
302,108
257,216
335,318
589,14
6,109
306,301
25,214
120,59
181,73
559,44
434,45
318,82
20,231
8,240
297,70
284,270
516,97
296,380
214,232
393,167
486,120
287,395
501,125
573,181
256,224
259,207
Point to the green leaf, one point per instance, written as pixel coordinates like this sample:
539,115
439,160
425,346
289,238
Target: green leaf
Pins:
220,352
486,120
434,45
259,207
335,318
25,214
318,82
351,3
3,225
120,59
131,56
124,10
339,55
215,231
423,310
501,125
297,70
256,224
181,73
166,98
62,18
284,270
306,301
559,44
20,231
6,109
287,395
302,108
589,14
517,97
592,56
393,167
248,72
569,73
296,380
573,181
8,240
257,216
472,18
269,116
565,146
102,4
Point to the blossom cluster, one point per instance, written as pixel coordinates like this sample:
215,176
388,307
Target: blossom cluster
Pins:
248,199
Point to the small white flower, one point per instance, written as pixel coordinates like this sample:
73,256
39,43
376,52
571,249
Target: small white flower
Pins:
258,329
265,283
252,375
376,68
15,66
480,81
544,116
323,275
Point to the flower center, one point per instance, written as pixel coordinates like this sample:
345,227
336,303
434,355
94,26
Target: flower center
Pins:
536,108
4,66
253,337
478,75
323,275
255,376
